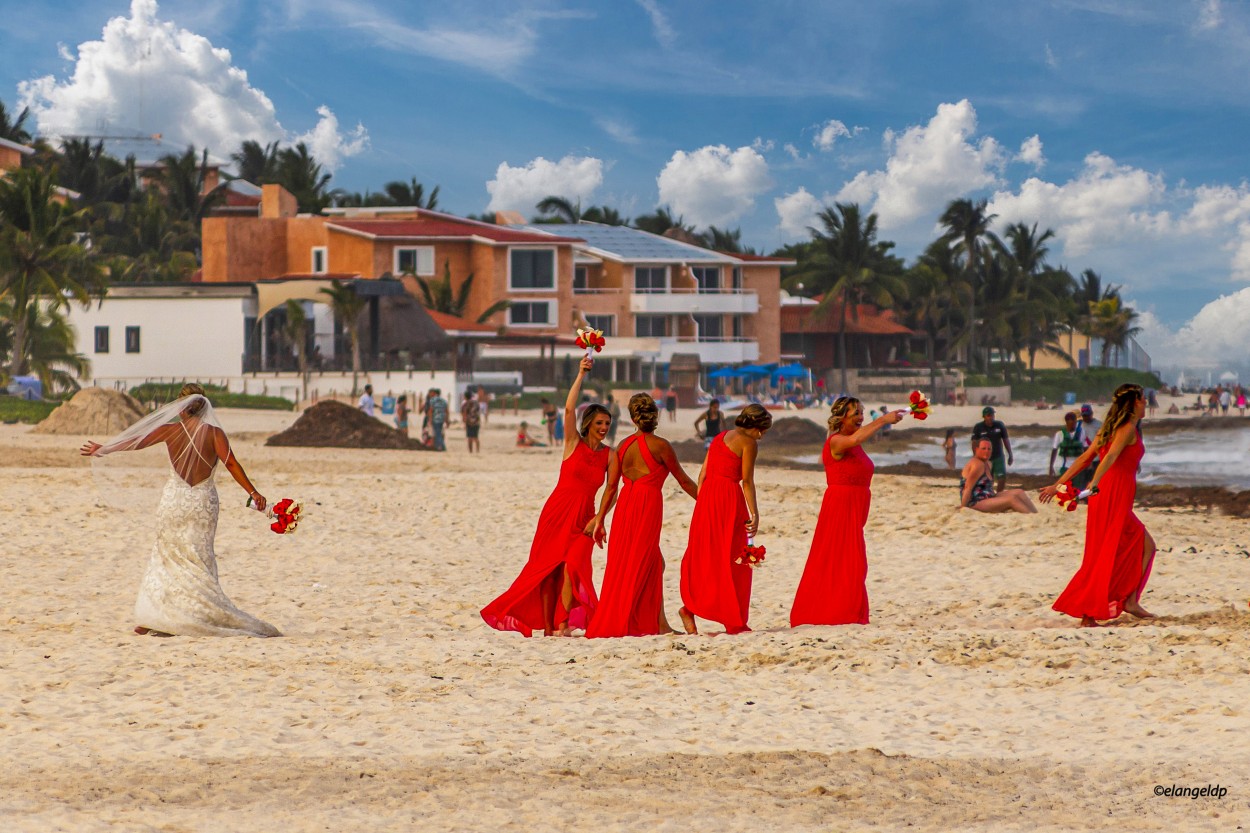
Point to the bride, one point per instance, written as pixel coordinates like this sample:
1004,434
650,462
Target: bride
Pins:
180,593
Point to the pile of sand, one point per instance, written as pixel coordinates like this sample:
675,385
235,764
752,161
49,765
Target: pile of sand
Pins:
796,431
93,411
331,424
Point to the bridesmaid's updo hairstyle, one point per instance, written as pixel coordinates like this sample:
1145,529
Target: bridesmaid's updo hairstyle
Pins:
1123,406
190,389
588,416
843,407
754,416
644,412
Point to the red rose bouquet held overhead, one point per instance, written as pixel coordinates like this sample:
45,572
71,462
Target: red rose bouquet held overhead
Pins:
286,515
590,340
918,405
752,556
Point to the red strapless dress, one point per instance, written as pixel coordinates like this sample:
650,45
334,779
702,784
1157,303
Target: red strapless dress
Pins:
560,540
632,590
1111,570
712,586
832,590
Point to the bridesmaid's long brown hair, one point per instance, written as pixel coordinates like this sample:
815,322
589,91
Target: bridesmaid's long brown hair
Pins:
1121,411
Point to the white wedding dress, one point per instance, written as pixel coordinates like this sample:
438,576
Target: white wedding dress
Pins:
180,593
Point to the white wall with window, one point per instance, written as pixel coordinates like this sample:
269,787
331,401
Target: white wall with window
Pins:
651,326
533,313
157,332
414,260
531,270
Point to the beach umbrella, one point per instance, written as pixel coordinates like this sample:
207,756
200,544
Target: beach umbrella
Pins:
724,373
756,369
790,371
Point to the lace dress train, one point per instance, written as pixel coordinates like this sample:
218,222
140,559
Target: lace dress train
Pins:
180,593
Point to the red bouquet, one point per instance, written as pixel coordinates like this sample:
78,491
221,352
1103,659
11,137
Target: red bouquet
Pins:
918,405
286,515
1066,496
752,556
590,340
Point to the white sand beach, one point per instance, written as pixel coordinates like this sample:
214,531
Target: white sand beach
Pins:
967,704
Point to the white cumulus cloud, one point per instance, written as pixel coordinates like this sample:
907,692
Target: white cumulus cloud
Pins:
521,188
148,75
1214,338
828,134
796,213
713,185
329,145
1031,152
929,165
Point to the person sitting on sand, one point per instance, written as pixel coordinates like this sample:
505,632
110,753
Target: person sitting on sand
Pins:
524,440
976,486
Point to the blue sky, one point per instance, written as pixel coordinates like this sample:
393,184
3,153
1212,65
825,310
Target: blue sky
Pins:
1121,125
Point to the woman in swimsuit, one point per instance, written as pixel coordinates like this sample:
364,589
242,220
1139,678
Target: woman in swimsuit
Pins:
976,486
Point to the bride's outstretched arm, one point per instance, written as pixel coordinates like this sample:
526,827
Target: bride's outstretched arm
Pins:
226,455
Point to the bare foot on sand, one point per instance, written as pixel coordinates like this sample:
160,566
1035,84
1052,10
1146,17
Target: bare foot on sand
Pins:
1089,622
1135,609
687,620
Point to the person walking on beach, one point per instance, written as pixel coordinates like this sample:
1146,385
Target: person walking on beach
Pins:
436,411
833,590
1119,551
1087,429
555,592
976,486
1066,445
471,416
670,403
614,411
631,598
725,515
948,448
401,414
549,419
366,402
180,593
996,432
711,420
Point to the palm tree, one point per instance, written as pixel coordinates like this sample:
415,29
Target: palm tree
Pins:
14,130
935,291
967,224
348,306
256,164
411,193
662,221
40,258
1114,324
725,240
604,215
441,297
183,180
1040,300
50,346
299,173
850,267
296,332
559,210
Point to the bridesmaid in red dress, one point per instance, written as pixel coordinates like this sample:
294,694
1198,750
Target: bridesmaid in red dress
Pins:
832,590
725,513
555,592
1119,552
632,599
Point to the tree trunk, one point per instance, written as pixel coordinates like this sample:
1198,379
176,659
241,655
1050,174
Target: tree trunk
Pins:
355,358
929,351
17,363
1032,369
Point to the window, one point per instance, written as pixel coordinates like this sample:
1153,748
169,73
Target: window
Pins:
101,339
737,278
532,269
707,277
737,325
651,326
416,260
580,280
650,279
711,327
320,260
532,313
132,339
607,323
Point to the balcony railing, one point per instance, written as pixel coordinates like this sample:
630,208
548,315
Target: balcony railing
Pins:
691,300
597,290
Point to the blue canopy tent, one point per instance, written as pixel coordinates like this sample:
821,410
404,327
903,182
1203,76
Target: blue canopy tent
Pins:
26,387
751,370
725,373
790,371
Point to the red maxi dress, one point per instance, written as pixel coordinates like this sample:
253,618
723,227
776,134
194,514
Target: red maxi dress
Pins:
1111,570
560,540
632,590
712,586
832,590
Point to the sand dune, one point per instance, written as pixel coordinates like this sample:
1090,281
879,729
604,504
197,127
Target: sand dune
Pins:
967,704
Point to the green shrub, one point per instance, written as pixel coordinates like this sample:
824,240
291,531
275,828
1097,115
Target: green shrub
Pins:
13,409
161,392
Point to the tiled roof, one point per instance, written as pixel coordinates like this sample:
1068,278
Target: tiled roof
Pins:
796,318
632,245
444,228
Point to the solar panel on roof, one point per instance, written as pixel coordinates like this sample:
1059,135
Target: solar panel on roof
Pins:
630,243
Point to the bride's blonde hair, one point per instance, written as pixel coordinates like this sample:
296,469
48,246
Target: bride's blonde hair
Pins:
190,389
